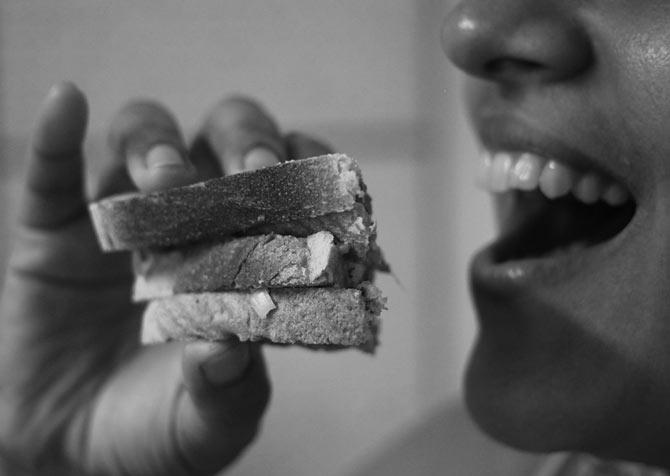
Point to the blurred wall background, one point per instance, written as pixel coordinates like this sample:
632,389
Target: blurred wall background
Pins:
369,77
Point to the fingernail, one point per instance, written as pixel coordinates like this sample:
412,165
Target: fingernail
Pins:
260,157
165,156
228,363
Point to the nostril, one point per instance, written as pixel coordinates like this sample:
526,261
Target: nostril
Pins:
510,68
516,44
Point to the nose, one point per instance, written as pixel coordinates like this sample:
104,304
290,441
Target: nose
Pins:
516,40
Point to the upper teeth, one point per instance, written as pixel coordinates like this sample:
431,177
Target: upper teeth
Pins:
503,171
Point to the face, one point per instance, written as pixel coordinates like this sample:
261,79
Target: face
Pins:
571,102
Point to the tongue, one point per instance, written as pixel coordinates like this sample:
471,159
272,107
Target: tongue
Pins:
541,227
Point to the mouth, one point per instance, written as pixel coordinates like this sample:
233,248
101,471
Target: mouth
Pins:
555,219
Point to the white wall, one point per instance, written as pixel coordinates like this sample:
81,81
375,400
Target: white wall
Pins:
366,75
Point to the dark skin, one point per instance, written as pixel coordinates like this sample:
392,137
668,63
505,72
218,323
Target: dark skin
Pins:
572,352
79,393
574,348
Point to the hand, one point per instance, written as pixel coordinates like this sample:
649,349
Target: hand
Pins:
77,391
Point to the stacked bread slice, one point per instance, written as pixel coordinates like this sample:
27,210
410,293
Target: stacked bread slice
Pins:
285,254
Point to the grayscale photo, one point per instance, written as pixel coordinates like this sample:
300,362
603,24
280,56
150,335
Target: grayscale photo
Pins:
335,238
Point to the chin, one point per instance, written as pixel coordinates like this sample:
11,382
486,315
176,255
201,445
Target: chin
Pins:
521,396
542,377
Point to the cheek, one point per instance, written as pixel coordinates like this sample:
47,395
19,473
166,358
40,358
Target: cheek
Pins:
634,90
477,92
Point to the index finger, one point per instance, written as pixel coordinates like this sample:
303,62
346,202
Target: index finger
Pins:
55,193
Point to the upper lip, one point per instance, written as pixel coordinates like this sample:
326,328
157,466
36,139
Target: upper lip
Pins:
515,133
566,143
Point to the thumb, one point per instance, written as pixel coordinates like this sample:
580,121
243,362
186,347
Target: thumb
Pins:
227,393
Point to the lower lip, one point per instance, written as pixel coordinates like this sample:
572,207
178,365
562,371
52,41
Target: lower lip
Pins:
546,270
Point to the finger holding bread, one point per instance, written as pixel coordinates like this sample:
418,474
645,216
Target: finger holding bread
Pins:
145,136
238,135
227,392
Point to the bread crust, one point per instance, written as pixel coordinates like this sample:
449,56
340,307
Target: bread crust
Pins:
301,197
193,242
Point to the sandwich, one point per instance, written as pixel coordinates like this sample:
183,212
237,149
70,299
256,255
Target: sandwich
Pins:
285,254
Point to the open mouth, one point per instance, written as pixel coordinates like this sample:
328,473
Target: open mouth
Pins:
550,210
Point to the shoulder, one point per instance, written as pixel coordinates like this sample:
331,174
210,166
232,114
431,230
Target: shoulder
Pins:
447,442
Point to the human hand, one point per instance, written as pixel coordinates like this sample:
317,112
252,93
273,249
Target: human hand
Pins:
78,394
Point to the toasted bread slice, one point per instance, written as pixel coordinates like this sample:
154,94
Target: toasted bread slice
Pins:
306,316
293,198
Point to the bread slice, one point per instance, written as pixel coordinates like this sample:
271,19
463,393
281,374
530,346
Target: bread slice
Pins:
294,198
253,262
306,316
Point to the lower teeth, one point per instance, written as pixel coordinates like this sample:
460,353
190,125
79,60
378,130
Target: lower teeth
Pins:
567,249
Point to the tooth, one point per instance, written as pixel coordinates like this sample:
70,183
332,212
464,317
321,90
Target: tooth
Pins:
556,179
567,249
499,173
615,195
588,188
526,172
484,170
